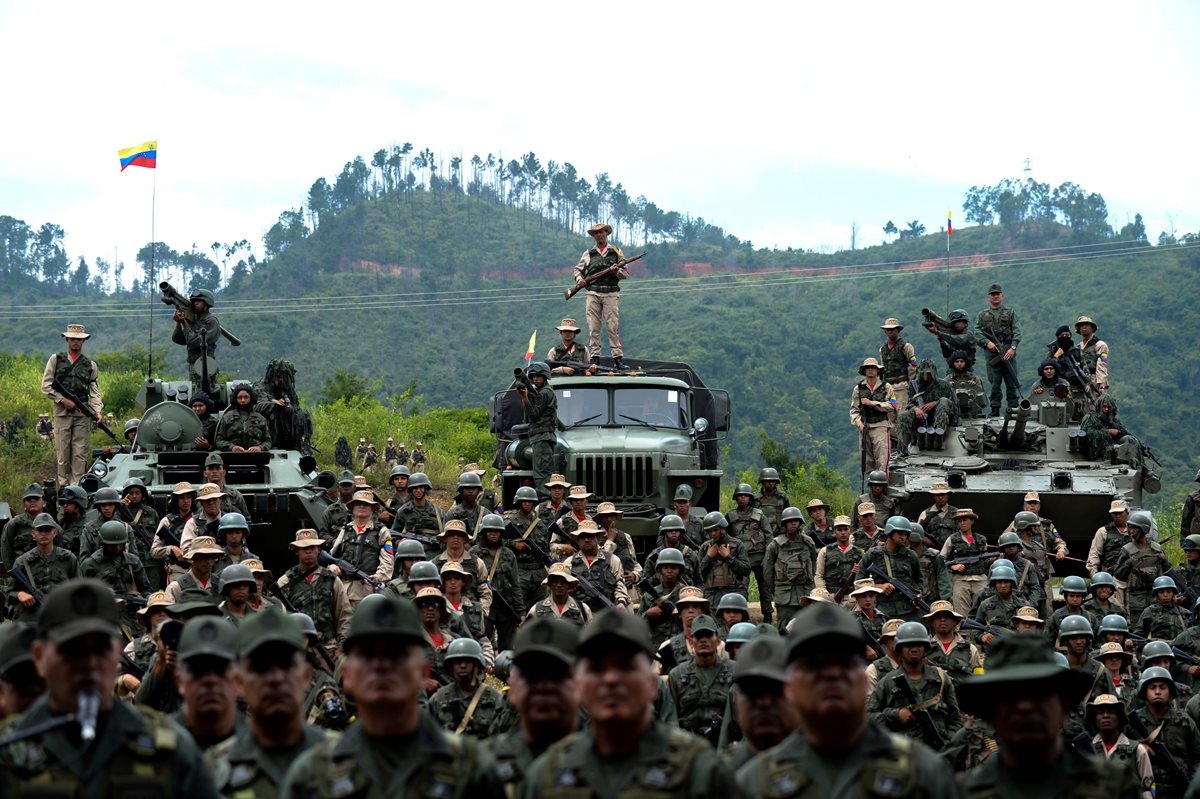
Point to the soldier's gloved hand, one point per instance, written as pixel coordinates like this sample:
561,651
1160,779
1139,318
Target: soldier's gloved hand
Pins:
907,717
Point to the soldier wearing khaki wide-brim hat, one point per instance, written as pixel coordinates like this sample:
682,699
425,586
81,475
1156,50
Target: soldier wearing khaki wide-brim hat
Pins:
307,538
1093,353
364,496
873,413
557,480
568,350
604,292
73,424
897,361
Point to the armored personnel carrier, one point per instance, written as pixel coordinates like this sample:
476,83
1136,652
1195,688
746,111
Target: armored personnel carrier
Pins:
281,487
990,464
632,437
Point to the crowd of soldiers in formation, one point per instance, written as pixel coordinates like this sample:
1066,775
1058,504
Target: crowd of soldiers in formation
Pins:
521,628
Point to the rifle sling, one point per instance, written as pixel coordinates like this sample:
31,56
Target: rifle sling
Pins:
935,699
471,708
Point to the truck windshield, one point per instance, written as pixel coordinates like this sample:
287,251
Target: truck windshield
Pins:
657,407
579,406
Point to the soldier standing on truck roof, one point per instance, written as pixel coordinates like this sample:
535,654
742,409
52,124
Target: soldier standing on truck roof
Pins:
72,424
603,295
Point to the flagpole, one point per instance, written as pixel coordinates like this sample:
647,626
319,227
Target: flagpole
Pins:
949,225
150,284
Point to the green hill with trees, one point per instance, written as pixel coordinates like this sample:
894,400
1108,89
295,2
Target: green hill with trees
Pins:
405,279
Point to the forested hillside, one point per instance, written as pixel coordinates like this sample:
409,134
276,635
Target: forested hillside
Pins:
438,282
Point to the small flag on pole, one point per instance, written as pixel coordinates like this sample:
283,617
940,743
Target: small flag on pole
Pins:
949,224
532,345
144,154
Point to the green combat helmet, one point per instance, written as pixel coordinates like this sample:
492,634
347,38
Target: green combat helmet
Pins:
114,532
743,488
912,632
1002,571
1114,623
465,649
419,480
492,521
898,523
237,574
538,368
741,633
1100,579
424,571
1156,673
1142,520
1191,542
1163,583
791,513
526,494
715,519
1026,519
1009,540
1073,626
409,548
469,480
733,601
1156,649
400,470
670,556
768,474
671,522
877,477
203,294
1073,585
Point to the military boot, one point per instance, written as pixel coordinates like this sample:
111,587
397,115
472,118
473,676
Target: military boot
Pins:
619,363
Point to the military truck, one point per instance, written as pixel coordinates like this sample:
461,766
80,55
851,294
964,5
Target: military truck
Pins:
281,487
632,437
990,464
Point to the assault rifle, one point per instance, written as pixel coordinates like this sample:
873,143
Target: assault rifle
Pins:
276,590
912,596
591,588
1180,654
348,569
977,626
172,297
1182,585
1161,752
1122,430
973,559
587,281
929,732
847,583
139,529
57,385
132,599
661,597
999,359
534,547
25,585
1074,371
428,540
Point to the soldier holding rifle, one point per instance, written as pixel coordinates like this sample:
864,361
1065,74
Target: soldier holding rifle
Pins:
72,421
603,290
198,331
998,332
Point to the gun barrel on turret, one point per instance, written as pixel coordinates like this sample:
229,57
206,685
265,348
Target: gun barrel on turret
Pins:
1019,417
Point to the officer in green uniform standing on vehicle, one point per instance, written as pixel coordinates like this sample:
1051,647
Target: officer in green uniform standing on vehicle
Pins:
102,747
838,750
541,413
394,749
998,333
624,751
200,337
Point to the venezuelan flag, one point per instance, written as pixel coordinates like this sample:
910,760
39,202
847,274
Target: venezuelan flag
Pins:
532,345
949,224
144,154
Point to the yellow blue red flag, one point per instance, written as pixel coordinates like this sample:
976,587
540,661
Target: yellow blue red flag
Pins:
144,154
532,346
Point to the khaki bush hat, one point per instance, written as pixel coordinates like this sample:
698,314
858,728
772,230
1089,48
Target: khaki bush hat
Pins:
842,521
366,497
1085,320
596,228
586,527
942,606
579,492
816,503
890,628
455,526
76,608
255,566
1118,506
965,513
455,567
691,595
474,467
607,508
362,440
360,483
569,324
209,491
75,331
159,599
428,592
208,636
1029,614
557,480
865,587
391,617
1113,648
203,545
1033,496
866,508
561,570
307,538
940,488
182,488
815,595
271,626
614,629
862,370
389,439
543,636
891,323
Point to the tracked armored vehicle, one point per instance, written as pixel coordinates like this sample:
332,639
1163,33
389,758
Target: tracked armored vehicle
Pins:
990,464
632,437
281,487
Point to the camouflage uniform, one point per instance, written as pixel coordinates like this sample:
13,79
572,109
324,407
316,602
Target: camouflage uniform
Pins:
752,529
243,430
935,687
968,393
122,572
531,570
72,429
505,580
541,414
1100,443
243,768
449,706
322,688
573,612
478,589
70,534
701,696
834,565
45,572
943,414
872,625
666,626
369,550
323,597
17,538
1056,619
1162,622
606,574
1002,324
788,570
996,611
513,758
471,517
723,576
905,566
899,365
935,577
939,524
771,505
690,575
427,520
885,505
1189,522
960,660
1182,739
1139,567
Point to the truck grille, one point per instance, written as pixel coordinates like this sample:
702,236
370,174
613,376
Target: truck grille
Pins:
616,477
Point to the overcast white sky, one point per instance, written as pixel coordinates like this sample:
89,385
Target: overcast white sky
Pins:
783,123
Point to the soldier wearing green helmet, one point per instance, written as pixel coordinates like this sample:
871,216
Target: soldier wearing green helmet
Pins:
916,698
1189,570
1140,563
770,499
997,610
896,559
724,564
750,525
237,584
198,331
503,574
659,610
1101,604
1074,591
468,705
671,529
541,414
419,514
532,533
1159,718
1029,581
789,567
877,495
1162,619
231,536
118,569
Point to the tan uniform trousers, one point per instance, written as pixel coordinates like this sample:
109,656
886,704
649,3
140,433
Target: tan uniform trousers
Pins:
604,306
964,591
879,447
72,439
901,391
